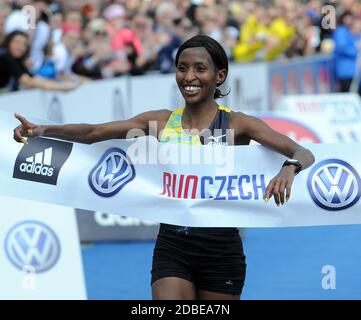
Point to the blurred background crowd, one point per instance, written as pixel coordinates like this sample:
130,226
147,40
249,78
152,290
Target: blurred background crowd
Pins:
97,39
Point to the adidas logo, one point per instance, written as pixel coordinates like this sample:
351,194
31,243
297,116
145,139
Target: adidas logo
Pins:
41,160
39,164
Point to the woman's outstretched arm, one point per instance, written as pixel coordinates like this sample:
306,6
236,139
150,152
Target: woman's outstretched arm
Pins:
88,133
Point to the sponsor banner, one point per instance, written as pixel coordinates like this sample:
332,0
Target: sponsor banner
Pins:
41,256
39,162
100,226
333,117
299,76
292,127
208,186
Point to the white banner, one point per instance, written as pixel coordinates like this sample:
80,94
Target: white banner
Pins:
40,256
248,87
251,86
208,186
93,102
29,102
333,117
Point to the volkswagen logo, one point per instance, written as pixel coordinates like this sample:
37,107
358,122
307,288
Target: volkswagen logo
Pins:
112,172
334,185
32,243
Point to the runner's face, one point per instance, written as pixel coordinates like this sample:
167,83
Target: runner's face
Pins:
196,75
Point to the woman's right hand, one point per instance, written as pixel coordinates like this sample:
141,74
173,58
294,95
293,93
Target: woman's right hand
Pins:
26,129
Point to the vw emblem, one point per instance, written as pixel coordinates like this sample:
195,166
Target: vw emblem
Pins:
32,243
334,185
112,172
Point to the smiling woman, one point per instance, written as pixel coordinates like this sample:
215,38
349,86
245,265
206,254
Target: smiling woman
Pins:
197,263
204,59
14,70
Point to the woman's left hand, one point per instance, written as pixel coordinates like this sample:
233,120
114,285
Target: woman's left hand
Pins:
280,184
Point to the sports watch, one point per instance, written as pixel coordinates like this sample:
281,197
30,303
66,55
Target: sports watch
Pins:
293,162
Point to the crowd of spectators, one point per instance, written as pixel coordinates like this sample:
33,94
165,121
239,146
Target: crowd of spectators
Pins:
97,39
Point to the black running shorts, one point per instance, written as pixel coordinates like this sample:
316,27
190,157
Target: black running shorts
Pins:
211,258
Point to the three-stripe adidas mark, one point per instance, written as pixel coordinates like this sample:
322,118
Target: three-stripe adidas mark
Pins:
39,164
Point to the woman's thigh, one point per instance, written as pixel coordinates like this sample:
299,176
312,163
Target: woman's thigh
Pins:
173,288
